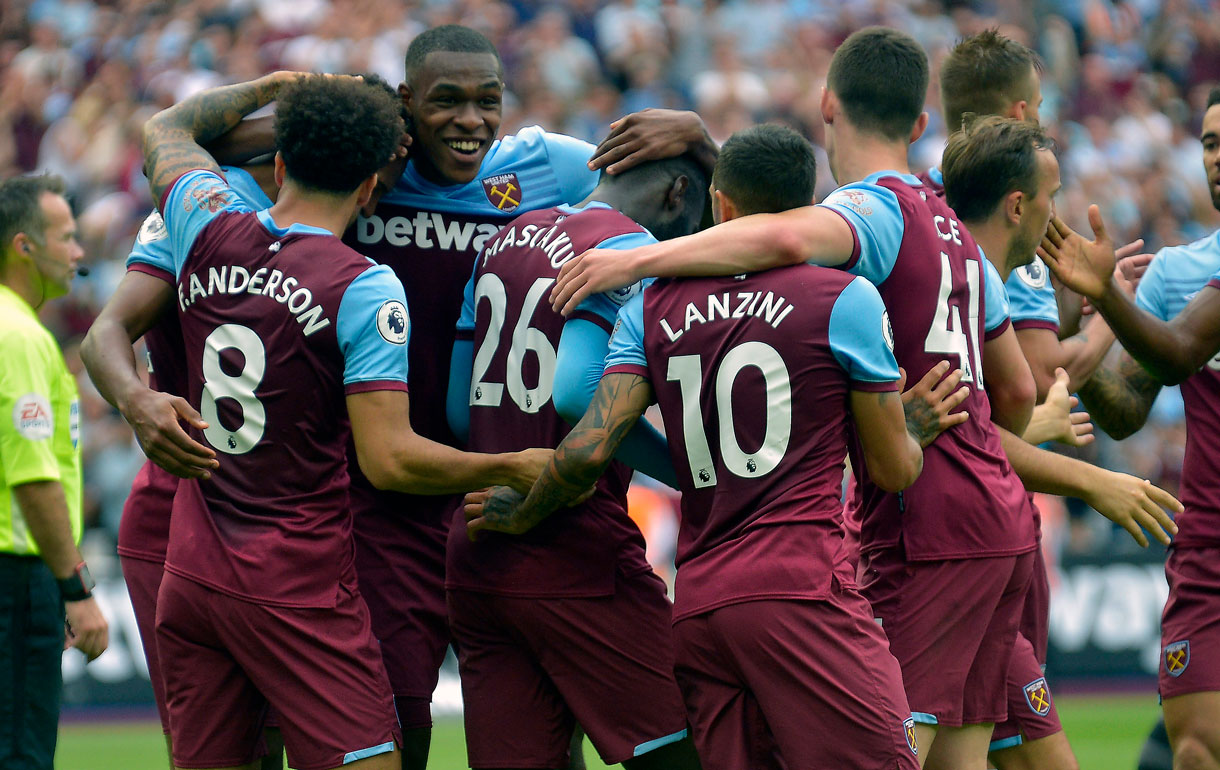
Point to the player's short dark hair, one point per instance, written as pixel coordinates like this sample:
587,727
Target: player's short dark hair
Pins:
984,74
373,80
648,178
452,38
989,158
880,76
21,206
334,133
1213,97
766,169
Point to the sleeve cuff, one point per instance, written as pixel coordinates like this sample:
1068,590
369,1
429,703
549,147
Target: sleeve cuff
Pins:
153,270
1035,323
991,334
595,319
31,475
627,369
855,241
1214,283
368,386
890,386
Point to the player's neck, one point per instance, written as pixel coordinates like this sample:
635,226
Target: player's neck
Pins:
300,207
25,282
860,154
994,239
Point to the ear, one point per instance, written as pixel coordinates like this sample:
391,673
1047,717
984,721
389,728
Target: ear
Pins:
921,125
1014,207
829,106
1016,110
724,207
280,170
21,243
365,191
677,192
405,93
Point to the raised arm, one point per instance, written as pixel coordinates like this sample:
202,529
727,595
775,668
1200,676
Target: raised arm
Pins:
744,245
653,134
579,460
174,138
1171,351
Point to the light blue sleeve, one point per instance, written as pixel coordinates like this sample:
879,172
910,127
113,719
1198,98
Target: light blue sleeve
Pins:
1031,295
151,248
1151,292
606,305
569,160
373,327
627,340
995,296
860,334
457,401
245,186
873,213
196,199
466,321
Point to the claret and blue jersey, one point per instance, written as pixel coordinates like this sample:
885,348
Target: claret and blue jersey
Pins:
944,304
279,324
1175,277
752,375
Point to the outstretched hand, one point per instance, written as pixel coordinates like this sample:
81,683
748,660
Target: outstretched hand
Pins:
929,402
156,418
1083,266
1136,505
1128,272
1054,420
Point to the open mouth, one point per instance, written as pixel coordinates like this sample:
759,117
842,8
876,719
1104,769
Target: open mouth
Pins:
464,146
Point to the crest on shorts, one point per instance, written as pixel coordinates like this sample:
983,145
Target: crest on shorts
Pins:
1038,697
1177,657
908,729
503,191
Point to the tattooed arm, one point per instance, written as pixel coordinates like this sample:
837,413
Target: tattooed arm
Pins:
1119,399
173,137
892,455
579,461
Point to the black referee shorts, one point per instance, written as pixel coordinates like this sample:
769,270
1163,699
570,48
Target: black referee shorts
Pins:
31,647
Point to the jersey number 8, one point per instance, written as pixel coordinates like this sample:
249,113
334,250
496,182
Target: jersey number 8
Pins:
218,384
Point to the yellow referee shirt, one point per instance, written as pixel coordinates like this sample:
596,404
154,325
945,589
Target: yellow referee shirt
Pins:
39,420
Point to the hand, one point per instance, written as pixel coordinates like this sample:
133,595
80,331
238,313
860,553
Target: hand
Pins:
86,628
589,273
652,134
528,465
1133,503
1054,420
156,419
496,509
1128,271
1083,266
928,403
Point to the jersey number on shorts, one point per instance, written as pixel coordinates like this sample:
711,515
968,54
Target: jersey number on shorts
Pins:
525,338
218,384
948,336
687,371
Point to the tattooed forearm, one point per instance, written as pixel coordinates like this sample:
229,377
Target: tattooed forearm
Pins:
582,457
1119,401
172,137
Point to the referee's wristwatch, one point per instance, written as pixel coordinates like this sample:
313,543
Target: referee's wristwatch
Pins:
78,586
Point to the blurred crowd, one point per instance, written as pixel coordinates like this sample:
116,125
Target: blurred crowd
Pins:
1125,84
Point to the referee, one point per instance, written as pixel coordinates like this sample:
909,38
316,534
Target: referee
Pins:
44,584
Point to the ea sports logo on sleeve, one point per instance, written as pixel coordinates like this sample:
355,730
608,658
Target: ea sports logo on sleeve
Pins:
32,417
392,322
1033,275
153,229
887,329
